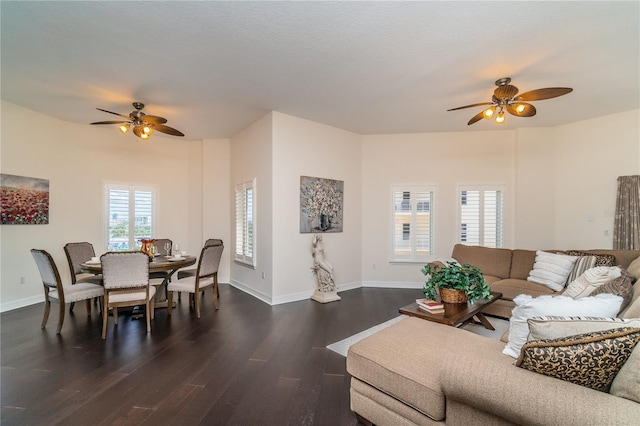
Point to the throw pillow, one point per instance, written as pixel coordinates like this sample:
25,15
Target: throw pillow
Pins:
586,283
602,305
590,359
634,268
622,286
583,264
551,269
601,259
554,327
627,382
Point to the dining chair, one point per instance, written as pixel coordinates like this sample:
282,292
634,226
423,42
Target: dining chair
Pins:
78,253
192,272
126,283
160,243
206,276
54,289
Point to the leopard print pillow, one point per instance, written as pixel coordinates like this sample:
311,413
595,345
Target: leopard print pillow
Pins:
601,259
590,359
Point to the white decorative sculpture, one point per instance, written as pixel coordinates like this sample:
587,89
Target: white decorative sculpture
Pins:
326,291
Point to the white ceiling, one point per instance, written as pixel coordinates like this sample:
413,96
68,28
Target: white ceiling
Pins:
213,68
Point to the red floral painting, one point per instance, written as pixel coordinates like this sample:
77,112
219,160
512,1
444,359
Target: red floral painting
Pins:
23,200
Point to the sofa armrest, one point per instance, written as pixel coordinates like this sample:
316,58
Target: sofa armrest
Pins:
520,396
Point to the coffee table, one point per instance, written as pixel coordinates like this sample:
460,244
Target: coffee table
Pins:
455,314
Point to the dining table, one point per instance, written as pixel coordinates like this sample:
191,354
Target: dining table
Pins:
169,265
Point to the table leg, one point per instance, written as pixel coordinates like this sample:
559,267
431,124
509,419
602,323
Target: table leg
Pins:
484,321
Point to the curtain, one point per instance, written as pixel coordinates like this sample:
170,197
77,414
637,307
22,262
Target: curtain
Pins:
626,226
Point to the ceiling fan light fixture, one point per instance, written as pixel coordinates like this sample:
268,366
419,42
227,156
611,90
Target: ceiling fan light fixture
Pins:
500,117
144,136
520,108
147,130
124,128
488,113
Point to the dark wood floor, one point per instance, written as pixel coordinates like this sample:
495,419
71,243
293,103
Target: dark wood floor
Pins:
247,364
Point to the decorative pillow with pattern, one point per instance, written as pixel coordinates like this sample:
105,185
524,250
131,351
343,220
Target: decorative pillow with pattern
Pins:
601,259
588,282
622,286
583,264
590,359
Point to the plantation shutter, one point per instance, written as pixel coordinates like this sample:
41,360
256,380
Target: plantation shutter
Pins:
481,217
412,223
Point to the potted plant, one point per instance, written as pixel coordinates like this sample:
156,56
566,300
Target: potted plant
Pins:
467,279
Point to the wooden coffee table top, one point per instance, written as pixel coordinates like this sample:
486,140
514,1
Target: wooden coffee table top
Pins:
455,314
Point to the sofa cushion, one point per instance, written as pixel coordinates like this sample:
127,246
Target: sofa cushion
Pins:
602,305
622,257
590,359
522,263
510,288
491,261
588,282
634,268
405,359
627,382
551,269
633,310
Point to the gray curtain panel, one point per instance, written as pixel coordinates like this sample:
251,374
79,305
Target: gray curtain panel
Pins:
626,227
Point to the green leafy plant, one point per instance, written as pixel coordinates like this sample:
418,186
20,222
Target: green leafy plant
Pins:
467,278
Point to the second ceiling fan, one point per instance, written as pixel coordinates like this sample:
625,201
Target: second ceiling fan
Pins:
506,98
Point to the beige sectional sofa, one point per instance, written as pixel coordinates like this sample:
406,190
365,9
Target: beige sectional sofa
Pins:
506,271
417,372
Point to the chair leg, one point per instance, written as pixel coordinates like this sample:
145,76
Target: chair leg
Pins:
153,308
105,317
169,302
71,306
196,300
61,319
115,315
215,290
88,302
148,315
47,308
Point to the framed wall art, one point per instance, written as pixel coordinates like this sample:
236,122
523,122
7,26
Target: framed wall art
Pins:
23,200
321,202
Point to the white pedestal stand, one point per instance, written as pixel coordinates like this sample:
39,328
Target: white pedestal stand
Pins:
325,296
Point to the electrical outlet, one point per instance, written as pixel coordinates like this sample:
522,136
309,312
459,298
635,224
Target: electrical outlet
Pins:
263,275
23,280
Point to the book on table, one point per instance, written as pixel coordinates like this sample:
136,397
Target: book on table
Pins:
429,305
431,311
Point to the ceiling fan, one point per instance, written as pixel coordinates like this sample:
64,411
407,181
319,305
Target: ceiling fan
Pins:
505,97
143,124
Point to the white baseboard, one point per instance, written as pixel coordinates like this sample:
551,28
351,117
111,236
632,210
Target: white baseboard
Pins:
21,303
253,292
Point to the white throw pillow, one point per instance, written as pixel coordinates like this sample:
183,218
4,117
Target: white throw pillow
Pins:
551,269
593,278
603,305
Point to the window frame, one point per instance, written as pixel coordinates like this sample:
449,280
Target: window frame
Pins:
462,200
401,189
242,256
131,188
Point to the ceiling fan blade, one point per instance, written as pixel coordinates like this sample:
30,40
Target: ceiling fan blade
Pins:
168,130
528,111
479,116
505,92
114,113
110,122
546,93
471,106
154,119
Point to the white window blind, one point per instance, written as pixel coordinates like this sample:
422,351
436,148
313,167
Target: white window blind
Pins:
412,227
130,211
245,223
481,212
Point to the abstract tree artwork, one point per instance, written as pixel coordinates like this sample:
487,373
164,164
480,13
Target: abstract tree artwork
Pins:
321,203
23,200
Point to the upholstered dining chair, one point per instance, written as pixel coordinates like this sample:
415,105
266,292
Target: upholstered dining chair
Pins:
192,272
78,253
54,289
206,276
126,283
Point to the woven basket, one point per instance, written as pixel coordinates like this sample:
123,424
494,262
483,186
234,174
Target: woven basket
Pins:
448,295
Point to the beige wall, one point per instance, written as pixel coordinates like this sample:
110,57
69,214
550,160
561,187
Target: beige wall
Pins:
305,148
560,191
445,160
77,159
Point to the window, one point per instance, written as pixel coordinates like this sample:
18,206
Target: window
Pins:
412,226
130,213
245,223
481,213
